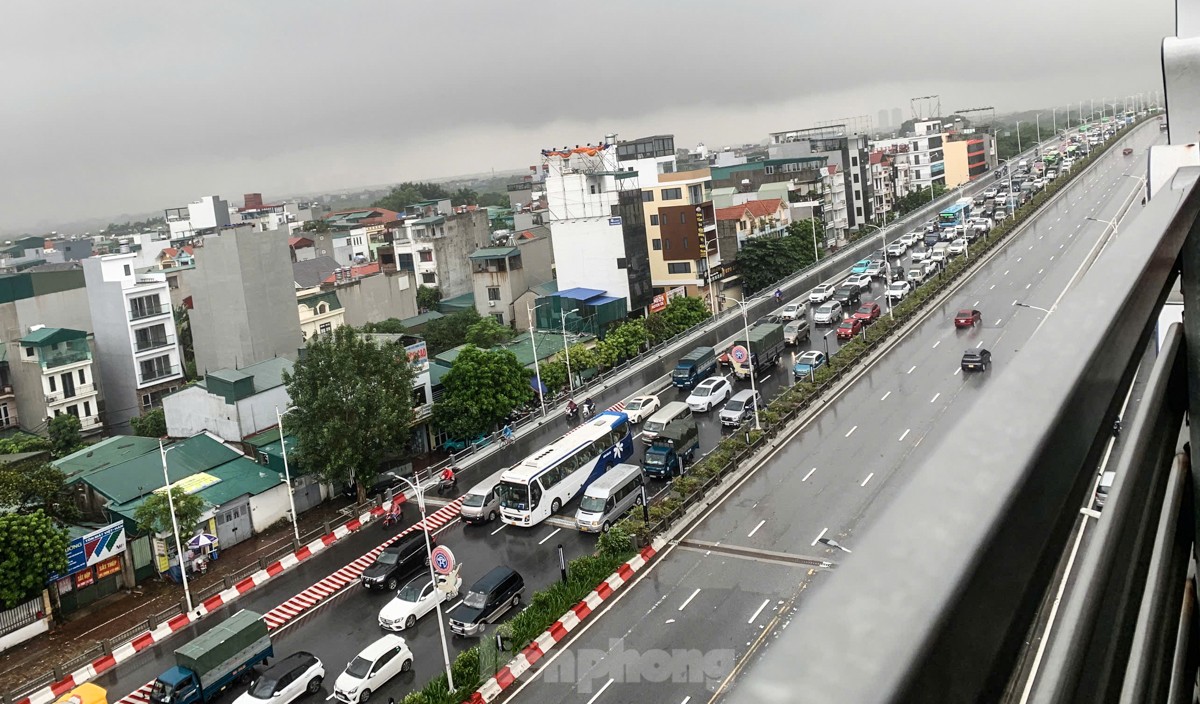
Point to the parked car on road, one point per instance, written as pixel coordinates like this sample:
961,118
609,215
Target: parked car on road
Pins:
808,362
709,393
868,312
828,313
372,668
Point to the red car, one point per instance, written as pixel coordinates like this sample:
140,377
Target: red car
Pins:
967,318
849,328
868,313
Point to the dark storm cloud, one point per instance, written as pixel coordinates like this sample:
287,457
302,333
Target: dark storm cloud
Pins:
127,106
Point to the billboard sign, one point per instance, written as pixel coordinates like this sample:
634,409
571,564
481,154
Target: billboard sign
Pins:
95,547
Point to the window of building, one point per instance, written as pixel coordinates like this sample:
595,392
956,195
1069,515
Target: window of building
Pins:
493,293
682,218
53,384
87,409
654,220
647,196
426,256
592,189
672,193
656,244
854,160
151,337
428,278
856,178
73,410
695,194
155,368
858,212
28,351
82,377
144,306
325,328
499,317
622,263
4,419
127,271
769,170
685,243
679,267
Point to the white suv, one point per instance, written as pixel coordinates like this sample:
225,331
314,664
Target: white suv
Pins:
821,293
709,393
372,668
288,679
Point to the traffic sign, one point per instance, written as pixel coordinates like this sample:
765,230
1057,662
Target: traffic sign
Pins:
442,559
739,354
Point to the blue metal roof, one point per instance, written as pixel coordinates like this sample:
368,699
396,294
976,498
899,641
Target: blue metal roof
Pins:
580,293
601,300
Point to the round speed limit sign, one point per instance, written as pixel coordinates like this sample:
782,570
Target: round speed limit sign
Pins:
739,354
442,559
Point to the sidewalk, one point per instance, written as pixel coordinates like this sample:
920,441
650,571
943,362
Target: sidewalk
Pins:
85,630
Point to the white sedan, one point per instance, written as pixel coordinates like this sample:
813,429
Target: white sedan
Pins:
958,246
640,408
920,255
413,601
898,290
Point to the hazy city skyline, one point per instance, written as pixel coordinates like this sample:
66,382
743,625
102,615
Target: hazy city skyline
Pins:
135,106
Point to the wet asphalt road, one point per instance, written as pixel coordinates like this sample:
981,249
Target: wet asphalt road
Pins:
735,580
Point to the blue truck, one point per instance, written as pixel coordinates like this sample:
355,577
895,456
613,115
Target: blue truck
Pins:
678,441
209,663
694,367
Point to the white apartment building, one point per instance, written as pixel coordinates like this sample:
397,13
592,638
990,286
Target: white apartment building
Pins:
61,362
204,216
136,343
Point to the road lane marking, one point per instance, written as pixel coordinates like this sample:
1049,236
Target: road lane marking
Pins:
818,538
1027,286
689,599
885,396
1060,246
810,473
993,286
502,527
935,397
1006,272
976,303
760,525
549,536
910,371
936,344
904,434
1051,257
864,482
1018,259
997,322
756,613
600,691
956,371
979,345
1040,270
686,700
851,431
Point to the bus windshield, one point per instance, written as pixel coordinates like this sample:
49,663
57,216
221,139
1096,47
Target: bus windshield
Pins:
513,496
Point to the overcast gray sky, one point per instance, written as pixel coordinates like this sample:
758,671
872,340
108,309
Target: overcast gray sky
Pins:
118,106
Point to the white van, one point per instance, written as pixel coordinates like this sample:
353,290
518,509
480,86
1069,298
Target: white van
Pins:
1106,482
940,252
609,497
666,415
794,309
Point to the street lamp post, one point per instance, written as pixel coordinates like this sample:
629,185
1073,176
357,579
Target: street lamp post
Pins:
746,330
416,488
567,350
1110,223
826,338
887,266
287,475
1038,121
162,453
1054,119
1026,305
537,368
1018,137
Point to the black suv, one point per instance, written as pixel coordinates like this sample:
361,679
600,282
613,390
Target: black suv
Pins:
398,561
488,599
976,360
848,296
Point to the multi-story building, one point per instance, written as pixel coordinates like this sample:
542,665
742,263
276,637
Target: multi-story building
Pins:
503,274
197,219
797,179
755,218
670,199
320,312
54,375
966,157
883,184
843,148
435,241
137,348
596,216
243,300
230,403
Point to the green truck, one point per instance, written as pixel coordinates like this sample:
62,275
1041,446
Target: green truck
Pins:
209,663
680,439
765,344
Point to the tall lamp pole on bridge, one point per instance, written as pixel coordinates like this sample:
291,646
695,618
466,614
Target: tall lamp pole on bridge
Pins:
887,265
287,475
420,493
187,593
746,329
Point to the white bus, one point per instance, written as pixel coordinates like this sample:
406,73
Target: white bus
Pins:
546,480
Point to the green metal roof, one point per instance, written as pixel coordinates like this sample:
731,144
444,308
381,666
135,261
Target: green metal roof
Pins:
141,475
431,220
239,477
459,303
545,289
495,253
267,374
52,336
106,453
418,320
329,297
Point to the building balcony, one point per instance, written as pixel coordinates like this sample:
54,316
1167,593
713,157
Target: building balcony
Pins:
153,343
143,313
76,394
62,358
154,376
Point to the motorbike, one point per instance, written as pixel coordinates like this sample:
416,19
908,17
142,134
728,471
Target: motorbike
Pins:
447,486
392,518
572,413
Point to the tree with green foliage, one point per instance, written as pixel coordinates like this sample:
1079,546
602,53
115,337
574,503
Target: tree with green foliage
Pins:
353,406
487,333
64,434
428,298
918,199
154,515
32,548
151,424
408,193
765,260
681,314
449,332
317,226
554,375
464,196
23,442
391,326
37,485
494,200
624,341
481,389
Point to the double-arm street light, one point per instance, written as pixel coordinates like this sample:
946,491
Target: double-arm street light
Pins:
1110,223
287,475
749,357
420,493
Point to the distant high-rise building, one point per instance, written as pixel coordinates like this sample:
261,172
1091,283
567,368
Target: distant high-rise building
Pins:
897,118
884,122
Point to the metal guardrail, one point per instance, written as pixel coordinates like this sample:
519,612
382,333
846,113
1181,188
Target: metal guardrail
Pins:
943,588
